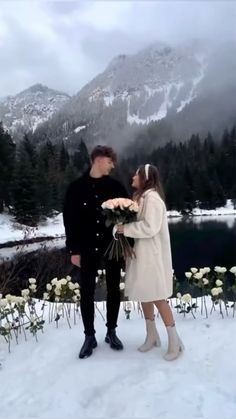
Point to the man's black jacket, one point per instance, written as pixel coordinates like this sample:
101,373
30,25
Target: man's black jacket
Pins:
83,219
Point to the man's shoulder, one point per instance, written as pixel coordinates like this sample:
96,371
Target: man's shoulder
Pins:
78,183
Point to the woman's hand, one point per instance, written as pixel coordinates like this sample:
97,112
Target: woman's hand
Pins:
120,229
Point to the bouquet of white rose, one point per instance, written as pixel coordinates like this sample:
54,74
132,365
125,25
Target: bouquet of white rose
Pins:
119,211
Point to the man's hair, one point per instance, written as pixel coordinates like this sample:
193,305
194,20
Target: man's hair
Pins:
103,151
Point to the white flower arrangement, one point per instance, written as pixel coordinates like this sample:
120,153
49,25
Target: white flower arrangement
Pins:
119,211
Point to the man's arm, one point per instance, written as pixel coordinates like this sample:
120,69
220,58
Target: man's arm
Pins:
71,218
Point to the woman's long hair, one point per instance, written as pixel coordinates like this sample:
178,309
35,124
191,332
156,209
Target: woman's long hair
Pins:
153,181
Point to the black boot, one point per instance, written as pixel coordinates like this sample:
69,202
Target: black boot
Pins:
113,340
89,344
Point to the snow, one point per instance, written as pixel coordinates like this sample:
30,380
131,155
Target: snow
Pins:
79,128
11,230
47,380
228,209
196,81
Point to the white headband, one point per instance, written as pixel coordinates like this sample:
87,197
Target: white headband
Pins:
147,171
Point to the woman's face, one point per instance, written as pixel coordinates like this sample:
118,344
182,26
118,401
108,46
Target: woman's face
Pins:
136,181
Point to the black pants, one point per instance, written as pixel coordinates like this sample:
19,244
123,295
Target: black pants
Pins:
89,265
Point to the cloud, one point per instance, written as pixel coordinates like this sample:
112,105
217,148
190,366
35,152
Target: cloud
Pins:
64,44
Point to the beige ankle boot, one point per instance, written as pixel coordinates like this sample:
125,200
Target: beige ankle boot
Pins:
152,338
175,345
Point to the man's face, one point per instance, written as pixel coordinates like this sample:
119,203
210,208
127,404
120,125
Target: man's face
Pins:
106,165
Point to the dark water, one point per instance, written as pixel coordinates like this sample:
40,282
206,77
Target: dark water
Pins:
203,242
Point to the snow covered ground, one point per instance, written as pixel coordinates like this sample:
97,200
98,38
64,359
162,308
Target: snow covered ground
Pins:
46,379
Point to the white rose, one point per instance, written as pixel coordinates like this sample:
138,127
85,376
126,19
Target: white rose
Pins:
198,275
109,204
122,274
19,300
186,298
76,285
57,291
48,287
33,287
58,285
75,298
233,270
207,270
32,280
77,292
99,272
71,286
8,298
193,270
205,281
25,292
63,281
217,268
188,274
223,270
68,277
214,291
45,296
104,271
3,302
134,207
122,286
57,299
220,290
54,281
178,295
219,283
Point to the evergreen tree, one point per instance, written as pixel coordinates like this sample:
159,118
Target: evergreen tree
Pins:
26,206
7,161
81,159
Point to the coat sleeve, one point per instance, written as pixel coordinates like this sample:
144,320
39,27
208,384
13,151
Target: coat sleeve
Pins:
150,225
71,218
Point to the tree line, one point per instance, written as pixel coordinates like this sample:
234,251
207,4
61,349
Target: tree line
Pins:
33,180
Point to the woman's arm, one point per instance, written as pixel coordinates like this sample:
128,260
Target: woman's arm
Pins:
150,225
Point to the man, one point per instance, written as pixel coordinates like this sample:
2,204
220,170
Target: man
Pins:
87,239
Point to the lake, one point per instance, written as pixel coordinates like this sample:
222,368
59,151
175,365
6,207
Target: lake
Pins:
203,241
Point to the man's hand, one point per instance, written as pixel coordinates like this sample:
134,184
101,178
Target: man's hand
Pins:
75,260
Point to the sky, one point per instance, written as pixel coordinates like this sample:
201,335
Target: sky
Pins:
64,44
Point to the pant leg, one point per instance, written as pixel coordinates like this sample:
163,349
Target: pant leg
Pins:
87,289
113,292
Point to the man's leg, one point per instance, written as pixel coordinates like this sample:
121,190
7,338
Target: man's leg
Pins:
87,289
113,302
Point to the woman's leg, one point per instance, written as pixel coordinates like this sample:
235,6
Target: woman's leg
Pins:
152,337
175,345
165,312
148,310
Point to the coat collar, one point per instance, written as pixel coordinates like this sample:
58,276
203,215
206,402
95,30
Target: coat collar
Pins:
148,191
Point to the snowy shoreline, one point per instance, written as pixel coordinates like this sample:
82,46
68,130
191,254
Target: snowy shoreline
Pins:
53,228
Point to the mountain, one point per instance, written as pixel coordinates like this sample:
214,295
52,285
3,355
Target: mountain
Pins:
33,106
178,90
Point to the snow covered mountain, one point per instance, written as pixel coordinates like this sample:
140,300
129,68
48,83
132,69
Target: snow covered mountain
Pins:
183,90
29,108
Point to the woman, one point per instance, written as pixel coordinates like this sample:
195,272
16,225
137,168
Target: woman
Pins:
149,276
